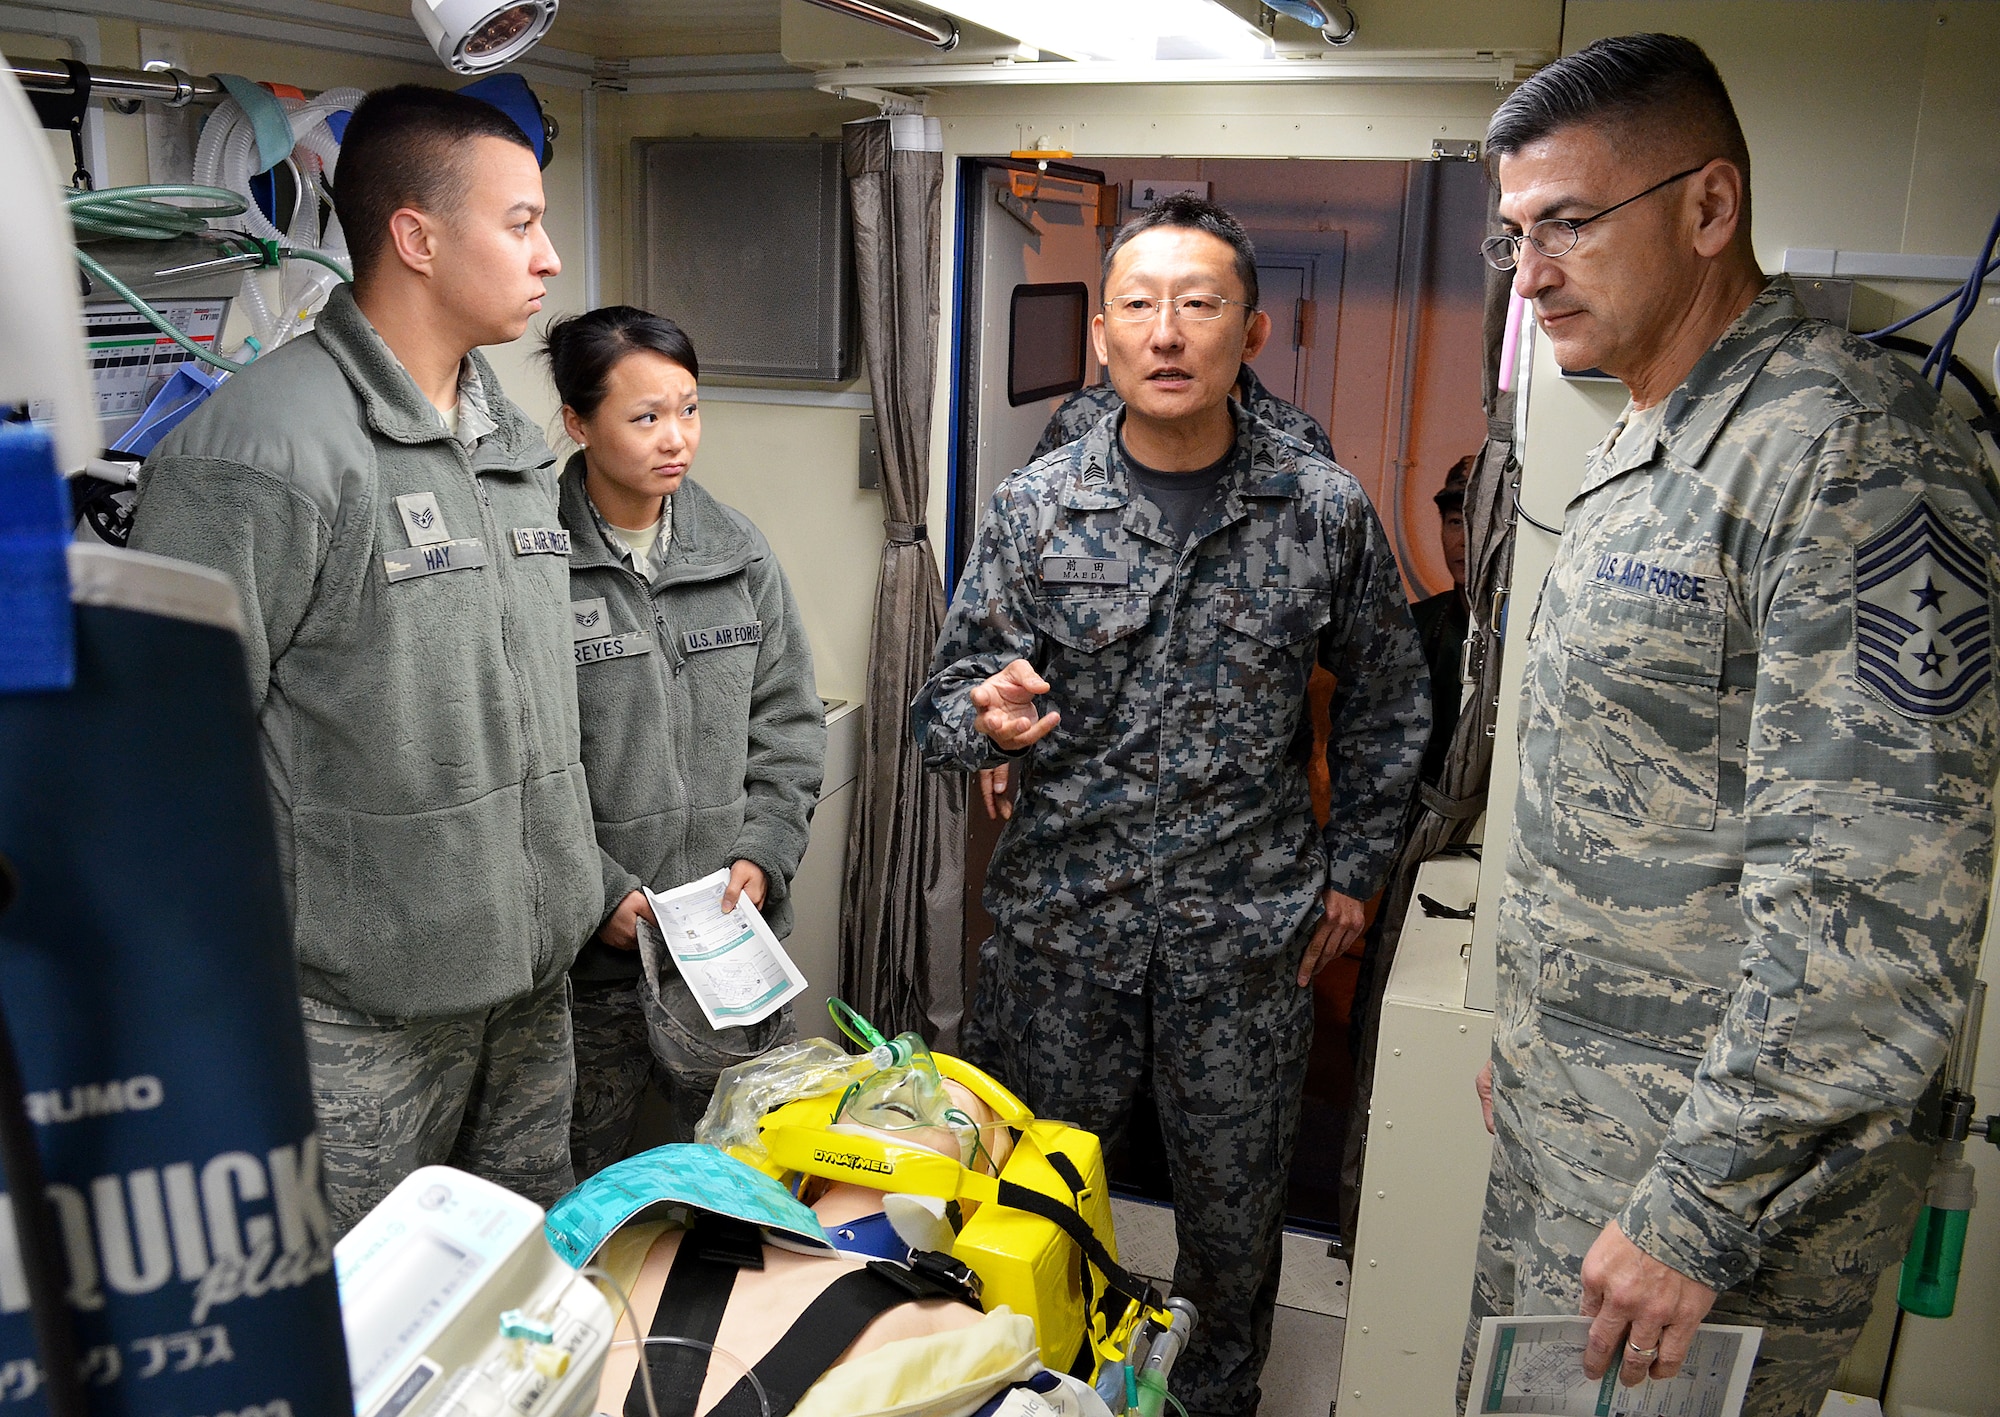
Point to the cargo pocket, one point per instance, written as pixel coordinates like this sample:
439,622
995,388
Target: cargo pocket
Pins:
1619,1049
1897,886
1264,652
1641,734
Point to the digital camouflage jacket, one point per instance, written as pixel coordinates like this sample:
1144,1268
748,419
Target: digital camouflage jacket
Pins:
1169,812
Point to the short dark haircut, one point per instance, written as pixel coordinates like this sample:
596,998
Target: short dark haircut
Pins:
1186,210
1645,86
583,349
405,147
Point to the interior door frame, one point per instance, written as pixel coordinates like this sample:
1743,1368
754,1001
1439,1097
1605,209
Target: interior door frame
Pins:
962,448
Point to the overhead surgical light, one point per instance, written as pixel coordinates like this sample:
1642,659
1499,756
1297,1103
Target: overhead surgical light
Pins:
473,36
1128,30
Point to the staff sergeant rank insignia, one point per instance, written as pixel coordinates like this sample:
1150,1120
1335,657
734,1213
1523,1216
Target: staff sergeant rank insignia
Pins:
1923,620
1084,570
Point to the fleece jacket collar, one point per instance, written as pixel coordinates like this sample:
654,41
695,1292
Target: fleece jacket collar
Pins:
707,543
398,411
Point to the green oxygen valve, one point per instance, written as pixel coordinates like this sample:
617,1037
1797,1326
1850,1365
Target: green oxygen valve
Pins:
1929,1285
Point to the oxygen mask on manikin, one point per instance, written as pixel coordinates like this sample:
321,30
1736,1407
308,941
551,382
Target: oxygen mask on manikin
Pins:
905,1099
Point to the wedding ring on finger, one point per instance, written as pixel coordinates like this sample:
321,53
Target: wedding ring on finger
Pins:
1637,1352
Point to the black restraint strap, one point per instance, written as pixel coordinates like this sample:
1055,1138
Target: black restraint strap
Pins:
1065,1218
691,1306
823,1332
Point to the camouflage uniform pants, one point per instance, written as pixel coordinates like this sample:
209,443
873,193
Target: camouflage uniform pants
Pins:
623,1043
487,1092
1227,1069
1810,1307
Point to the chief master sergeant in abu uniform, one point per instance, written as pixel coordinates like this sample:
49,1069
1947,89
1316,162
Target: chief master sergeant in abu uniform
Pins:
1748,873
390,521
1162,896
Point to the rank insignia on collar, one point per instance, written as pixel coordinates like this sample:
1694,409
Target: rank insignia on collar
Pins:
1923,616
1093,471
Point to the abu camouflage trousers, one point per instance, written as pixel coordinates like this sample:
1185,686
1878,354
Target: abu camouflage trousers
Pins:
487,1092
1810,1304
626,1039
1227,1068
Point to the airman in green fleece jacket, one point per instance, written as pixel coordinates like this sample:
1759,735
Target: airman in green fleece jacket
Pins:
405,589
702,729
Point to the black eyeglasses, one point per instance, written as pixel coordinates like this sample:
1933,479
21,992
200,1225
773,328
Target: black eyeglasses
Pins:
1556,236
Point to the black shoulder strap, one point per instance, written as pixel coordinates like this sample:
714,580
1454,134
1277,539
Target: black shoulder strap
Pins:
823,1332
1065,1218
691,1307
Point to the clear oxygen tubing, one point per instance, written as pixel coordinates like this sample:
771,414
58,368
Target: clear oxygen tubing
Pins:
227,157
160,213
643,1341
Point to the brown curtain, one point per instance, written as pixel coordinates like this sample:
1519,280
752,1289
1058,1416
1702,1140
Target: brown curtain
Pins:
901,908
1444,815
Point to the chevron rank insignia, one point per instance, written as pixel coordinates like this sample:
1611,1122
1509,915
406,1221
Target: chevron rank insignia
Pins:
1923,617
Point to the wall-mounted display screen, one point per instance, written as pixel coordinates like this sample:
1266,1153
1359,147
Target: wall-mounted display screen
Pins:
1045,340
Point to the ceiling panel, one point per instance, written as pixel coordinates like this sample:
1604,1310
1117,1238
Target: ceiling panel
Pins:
644,27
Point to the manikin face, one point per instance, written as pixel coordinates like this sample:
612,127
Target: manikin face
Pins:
643,436
1170,368
493,258
1613,300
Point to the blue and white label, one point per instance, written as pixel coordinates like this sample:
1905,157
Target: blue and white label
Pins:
465,554
541,541
1085,570
723,637
1923,616
1630,571
627,646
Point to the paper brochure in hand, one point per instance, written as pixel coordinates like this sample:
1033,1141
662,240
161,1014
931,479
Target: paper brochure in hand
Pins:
732,963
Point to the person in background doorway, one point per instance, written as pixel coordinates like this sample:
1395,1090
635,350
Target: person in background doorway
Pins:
1137,627
1752,847
388,518
702,729
1444,620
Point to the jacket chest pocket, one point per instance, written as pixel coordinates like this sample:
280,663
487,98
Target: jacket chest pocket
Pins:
1641,725
1265,643
1094,641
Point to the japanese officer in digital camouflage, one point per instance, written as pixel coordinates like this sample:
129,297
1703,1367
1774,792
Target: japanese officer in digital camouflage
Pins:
1748,870
1136,630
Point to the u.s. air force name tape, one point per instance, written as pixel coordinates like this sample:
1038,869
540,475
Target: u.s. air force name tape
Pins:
626,646
462,555
723,637
540,541
1084,570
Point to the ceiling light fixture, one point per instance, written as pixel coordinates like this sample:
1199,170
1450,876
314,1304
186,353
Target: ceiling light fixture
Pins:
476,36
1125,31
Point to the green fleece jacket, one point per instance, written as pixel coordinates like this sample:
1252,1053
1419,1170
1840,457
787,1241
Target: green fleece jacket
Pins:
407,611
702,729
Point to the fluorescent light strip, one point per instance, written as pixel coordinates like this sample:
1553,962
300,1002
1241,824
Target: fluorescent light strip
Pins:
1127,31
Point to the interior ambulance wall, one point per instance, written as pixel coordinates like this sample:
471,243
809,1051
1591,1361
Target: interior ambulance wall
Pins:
793,469
1871,127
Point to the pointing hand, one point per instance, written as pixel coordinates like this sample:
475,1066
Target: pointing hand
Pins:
1006,704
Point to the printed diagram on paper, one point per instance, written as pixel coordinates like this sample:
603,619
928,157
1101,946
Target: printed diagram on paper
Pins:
1534,1367
733,964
